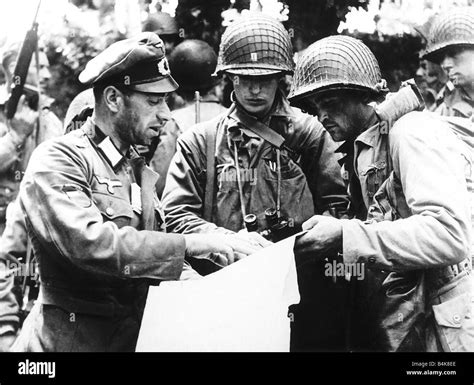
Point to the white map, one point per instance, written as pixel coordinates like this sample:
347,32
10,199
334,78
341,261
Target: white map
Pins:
241,308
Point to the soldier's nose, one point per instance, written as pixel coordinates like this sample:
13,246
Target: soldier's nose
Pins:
420,72
255,88
163,113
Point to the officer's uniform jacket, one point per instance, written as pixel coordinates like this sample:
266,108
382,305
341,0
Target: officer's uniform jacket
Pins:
309,172
414,182
84,211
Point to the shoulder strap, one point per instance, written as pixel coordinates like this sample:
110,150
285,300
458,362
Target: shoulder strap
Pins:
211,131
258,128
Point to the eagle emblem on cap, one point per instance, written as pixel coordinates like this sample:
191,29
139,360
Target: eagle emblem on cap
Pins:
163,67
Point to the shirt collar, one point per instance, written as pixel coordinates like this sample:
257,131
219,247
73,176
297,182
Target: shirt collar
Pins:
368,137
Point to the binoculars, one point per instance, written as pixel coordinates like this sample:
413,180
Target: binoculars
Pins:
278,228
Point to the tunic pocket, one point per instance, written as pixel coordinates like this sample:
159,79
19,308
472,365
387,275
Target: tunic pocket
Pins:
113,208
455,323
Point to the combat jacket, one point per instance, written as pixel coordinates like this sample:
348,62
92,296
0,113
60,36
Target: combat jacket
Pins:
14,157
93,218
309,172
430,172
419,219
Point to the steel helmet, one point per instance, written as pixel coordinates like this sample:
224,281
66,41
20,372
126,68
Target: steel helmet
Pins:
336,62
453,28
255,45
192,64
80,108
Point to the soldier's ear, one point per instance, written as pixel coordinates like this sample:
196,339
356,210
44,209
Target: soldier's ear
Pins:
112,98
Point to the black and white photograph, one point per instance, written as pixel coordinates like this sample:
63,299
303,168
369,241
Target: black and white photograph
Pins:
276,181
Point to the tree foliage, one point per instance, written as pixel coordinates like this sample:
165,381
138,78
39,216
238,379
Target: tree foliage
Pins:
314,19
200,19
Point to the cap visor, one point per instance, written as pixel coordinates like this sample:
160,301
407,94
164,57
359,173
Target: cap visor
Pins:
161,86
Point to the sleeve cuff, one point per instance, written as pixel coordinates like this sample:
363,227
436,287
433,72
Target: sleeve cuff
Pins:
351,238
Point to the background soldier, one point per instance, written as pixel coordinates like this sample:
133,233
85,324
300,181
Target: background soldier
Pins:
81,107
192,64
93,216
259,155
414,176
451,44
431,79
28,128
19,292
164,25
33,128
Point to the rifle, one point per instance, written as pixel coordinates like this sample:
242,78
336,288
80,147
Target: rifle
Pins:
20,73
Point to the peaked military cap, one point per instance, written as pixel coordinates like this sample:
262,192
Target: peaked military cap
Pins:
138,63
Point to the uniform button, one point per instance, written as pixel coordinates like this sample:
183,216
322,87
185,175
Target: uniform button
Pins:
456,318
109,211
371,259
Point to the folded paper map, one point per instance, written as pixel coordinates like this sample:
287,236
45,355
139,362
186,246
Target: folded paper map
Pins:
241,308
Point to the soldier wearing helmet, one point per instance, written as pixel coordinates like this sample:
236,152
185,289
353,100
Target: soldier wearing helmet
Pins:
165,26
432,82
192,64
260,134
259,154
411,172
89,200
451,44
